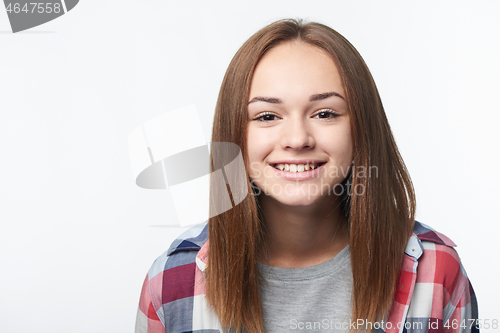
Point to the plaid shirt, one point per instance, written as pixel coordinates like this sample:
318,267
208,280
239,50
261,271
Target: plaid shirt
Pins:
433,293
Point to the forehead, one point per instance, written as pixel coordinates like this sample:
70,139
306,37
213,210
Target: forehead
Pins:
296,67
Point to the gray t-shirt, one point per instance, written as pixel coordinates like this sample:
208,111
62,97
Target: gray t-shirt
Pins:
309,299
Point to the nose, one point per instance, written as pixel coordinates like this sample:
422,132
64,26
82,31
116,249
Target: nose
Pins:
297,134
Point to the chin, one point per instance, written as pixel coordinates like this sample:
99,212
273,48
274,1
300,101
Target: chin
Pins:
295,200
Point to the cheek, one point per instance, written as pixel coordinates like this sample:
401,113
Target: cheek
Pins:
339,144
259,145
345,145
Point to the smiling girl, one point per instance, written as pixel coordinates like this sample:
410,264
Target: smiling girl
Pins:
305,250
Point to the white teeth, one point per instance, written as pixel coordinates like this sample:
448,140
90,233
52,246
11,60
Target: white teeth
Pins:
296,167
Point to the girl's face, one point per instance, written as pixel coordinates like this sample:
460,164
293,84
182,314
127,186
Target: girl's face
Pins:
298,138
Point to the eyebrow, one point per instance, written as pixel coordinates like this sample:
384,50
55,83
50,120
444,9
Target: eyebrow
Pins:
318,97
312,98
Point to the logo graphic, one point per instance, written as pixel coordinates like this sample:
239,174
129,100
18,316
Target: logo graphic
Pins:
170,151
28,14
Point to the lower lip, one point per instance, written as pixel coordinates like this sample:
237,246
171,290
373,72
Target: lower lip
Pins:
302,175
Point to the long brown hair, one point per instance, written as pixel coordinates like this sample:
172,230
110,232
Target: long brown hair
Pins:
380,218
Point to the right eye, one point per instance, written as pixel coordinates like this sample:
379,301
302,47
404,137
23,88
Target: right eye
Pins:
266,117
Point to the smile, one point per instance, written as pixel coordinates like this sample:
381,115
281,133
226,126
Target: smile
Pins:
297,167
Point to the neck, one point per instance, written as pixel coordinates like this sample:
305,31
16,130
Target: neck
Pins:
302,236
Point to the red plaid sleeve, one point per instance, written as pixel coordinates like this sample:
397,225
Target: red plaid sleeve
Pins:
443,299
147,320
434,294
460,308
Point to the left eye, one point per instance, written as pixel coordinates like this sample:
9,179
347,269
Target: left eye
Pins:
266,117
326,114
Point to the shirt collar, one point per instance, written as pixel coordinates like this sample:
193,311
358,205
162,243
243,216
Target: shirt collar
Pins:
422,232
426,233
414,247
191,240
202,257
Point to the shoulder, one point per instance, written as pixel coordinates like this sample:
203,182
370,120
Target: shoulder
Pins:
191,240
182,251
176,267
426,233
437,255
430,247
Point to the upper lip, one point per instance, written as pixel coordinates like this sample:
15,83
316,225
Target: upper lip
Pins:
304,161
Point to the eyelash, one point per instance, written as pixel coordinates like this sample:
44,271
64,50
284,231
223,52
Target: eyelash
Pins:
263,114
332,114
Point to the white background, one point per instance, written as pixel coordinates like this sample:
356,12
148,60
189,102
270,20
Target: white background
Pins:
77,235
